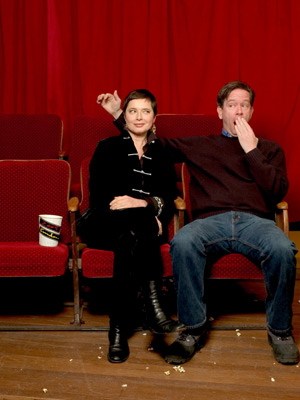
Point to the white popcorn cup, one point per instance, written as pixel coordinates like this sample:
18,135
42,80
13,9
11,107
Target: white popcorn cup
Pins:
49,229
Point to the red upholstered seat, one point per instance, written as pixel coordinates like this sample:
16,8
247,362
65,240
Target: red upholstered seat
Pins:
94,263
30,188
99,263
30,137
30,259
232,266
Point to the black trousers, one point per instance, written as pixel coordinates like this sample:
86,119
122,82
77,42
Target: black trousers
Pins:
132,234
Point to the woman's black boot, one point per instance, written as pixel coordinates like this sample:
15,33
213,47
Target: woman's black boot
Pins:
157,319
118,346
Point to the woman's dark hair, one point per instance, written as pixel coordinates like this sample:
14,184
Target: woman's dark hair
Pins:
229,87
140,94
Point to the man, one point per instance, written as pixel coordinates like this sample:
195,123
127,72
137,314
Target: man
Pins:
237,180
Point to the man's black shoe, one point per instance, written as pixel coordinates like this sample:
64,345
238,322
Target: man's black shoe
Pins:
185,346
284,348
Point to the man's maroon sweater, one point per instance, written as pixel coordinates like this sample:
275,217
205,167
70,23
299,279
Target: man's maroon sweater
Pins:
225,178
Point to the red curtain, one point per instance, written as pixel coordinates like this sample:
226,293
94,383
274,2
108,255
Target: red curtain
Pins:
56,56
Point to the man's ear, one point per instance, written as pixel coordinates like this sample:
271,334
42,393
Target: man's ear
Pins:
220,112
251,113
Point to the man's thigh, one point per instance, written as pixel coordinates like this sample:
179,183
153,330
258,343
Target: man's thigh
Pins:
258,231
207,231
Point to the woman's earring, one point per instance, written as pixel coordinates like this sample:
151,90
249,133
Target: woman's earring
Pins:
153,128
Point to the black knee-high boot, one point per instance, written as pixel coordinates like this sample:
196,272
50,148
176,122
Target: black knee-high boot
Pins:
120,324
124,295
157,319
118,346
121,320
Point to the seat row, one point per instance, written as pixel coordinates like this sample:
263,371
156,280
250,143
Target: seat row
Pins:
33,187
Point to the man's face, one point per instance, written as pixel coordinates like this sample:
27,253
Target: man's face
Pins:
236,105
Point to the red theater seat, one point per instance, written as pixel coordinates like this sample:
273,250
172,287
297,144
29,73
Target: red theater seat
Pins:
99,263
31,136
234,266
28,189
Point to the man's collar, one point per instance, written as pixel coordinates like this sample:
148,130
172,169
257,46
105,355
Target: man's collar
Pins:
225,133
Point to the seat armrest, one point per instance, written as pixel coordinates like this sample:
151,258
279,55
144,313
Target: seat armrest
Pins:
73,204
281,217
180,206
73,207
282,205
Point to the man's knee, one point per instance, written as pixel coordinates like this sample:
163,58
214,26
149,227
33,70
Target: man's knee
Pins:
180,241
280,258
283,248
186,240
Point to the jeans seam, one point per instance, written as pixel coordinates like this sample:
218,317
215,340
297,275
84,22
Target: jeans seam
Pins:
201,324
250,245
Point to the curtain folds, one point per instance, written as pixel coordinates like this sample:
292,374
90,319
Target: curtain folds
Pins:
56,56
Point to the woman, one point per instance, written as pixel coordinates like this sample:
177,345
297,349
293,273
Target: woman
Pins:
132,188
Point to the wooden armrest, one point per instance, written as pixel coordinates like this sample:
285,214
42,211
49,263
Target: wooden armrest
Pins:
281,217
73,204
282,206
180,204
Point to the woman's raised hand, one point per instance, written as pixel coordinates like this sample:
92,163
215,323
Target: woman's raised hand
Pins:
111,103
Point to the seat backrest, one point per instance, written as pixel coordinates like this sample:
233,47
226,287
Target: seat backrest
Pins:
29,188
86,133
181,125
30,137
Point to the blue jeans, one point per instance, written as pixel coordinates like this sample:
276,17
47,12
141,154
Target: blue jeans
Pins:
259,239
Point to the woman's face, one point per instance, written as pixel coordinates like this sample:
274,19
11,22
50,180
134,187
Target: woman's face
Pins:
139,116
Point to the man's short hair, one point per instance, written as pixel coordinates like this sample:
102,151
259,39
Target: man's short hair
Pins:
229,87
